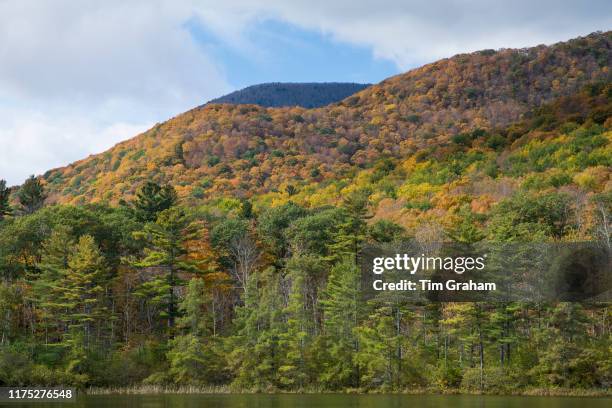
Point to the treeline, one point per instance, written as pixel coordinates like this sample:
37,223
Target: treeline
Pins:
268,298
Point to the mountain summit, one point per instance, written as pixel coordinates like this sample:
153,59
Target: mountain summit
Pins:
278,94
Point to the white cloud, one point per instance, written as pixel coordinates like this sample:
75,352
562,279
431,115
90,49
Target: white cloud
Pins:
414,32
34,143
77,76
110,49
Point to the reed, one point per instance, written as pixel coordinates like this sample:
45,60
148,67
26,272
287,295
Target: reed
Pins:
224,389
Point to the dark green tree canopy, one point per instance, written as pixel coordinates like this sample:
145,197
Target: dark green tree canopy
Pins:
5,206
152,199
31,195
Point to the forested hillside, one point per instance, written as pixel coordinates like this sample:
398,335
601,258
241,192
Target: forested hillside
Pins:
243,150
277,94
220,248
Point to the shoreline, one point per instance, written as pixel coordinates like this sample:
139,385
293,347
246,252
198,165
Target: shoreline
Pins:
220,390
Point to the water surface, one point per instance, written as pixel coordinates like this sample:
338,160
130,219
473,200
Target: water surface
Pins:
323,401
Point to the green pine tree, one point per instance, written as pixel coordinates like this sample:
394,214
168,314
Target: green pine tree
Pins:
152,199
47,289
165,250
5,205
469,323
82,291
193,356
31,195
256,353
342,309
350,234
301,319
193,308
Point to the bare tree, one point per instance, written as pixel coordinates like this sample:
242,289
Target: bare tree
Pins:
604,225
430,236
245,256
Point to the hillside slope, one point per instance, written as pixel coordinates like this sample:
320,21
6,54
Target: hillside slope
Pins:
243,150
306,95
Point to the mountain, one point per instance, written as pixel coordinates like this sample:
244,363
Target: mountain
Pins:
221,150
306,95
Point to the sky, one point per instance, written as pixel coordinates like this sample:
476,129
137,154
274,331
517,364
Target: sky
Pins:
78,76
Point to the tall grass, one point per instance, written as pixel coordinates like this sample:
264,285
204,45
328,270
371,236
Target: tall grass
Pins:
224,389
159,389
